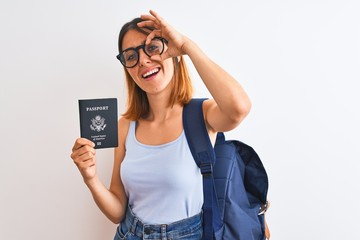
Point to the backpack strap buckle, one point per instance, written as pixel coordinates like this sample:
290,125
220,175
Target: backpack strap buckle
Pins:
264,208
206,169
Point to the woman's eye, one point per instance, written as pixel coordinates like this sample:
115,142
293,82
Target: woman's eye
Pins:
153,48
131,57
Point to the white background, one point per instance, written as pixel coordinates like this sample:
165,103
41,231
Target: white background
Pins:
298,60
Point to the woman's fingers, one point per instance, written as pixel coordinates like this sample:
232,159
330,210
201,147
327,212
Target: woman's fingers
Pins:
146,23
153,21
85,160
157,17
147,19
152,35
84,165
87,168
162,29
154,17
83,157
85,149
81,142
82,151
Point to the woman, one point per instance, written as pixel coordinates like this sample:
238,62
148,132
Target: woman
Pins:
156,187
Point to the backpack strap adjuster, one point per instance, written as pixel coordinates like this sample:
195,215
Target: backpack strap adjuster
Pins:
206,169
205,164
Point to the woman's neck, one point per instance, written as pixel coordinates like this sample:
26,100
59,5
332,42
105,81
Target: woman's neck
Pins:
160,111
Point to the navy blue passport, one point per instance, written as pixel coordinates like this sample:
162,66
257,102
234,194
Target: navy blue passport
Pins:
99,121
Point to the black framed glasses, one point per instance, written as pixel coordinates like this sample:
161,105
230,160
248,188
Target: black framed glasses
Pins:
130,56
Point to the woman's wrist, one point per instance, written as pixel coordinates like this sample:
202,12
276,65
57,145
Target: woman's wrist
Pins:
92,182
195,53
189,46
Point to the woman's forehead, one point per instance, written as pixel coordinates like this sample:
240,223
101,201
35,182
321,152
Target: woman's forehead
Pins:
133,38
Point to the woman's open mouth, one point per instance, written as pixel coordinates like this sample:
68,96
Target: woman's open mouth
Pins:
151,73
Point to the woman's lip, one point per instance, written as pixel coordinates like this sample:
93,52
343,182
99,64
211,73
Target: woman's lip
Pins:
151,77
150,72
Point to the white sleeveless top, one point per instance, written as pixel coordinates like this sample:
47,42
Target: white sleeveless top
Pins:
162,182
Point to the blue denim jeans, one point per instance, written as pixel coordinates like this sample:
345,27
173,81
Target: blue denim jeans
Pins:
131,228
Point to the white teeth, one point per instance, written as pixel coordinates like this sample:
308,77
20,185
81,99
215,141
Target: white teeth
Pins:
150,72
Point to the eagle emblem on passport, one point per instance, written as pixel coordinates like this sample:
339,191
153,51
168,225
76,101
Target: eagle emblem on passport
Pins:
98,123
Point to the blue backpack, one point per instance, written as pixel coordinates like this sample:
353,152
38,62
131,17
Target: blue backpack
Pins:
235,182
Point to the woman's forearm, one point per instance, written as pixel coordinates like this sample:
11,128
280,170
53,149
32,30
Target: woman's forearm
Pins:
229,95
108,202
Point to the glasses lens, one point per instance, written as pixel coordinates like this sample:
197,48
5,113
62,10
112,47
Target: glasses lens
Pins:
129,58
155,47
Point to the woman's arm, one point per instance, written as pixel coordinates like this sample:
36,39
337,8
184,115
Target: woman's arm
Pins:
112,202
231,103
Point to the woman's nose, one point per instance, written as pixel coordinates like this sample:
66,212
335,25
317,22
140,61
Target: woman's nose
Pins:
143,58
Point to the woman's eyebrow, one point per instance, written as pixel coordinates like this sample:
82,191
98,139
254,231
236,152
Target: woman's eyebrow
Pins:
135,46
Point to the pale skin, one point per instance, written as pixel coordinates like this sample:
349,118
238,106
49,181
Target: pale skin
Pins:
229,106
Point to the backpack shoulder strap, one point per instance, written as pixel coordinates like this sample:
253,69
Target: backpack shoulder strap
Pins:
196,132
204,156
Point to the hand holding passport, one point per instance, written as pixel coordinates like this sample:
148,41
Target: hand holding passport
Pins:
98,121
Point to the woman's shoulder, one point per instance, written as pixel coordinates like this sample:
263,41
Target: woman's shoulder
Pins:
123,129
124,122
